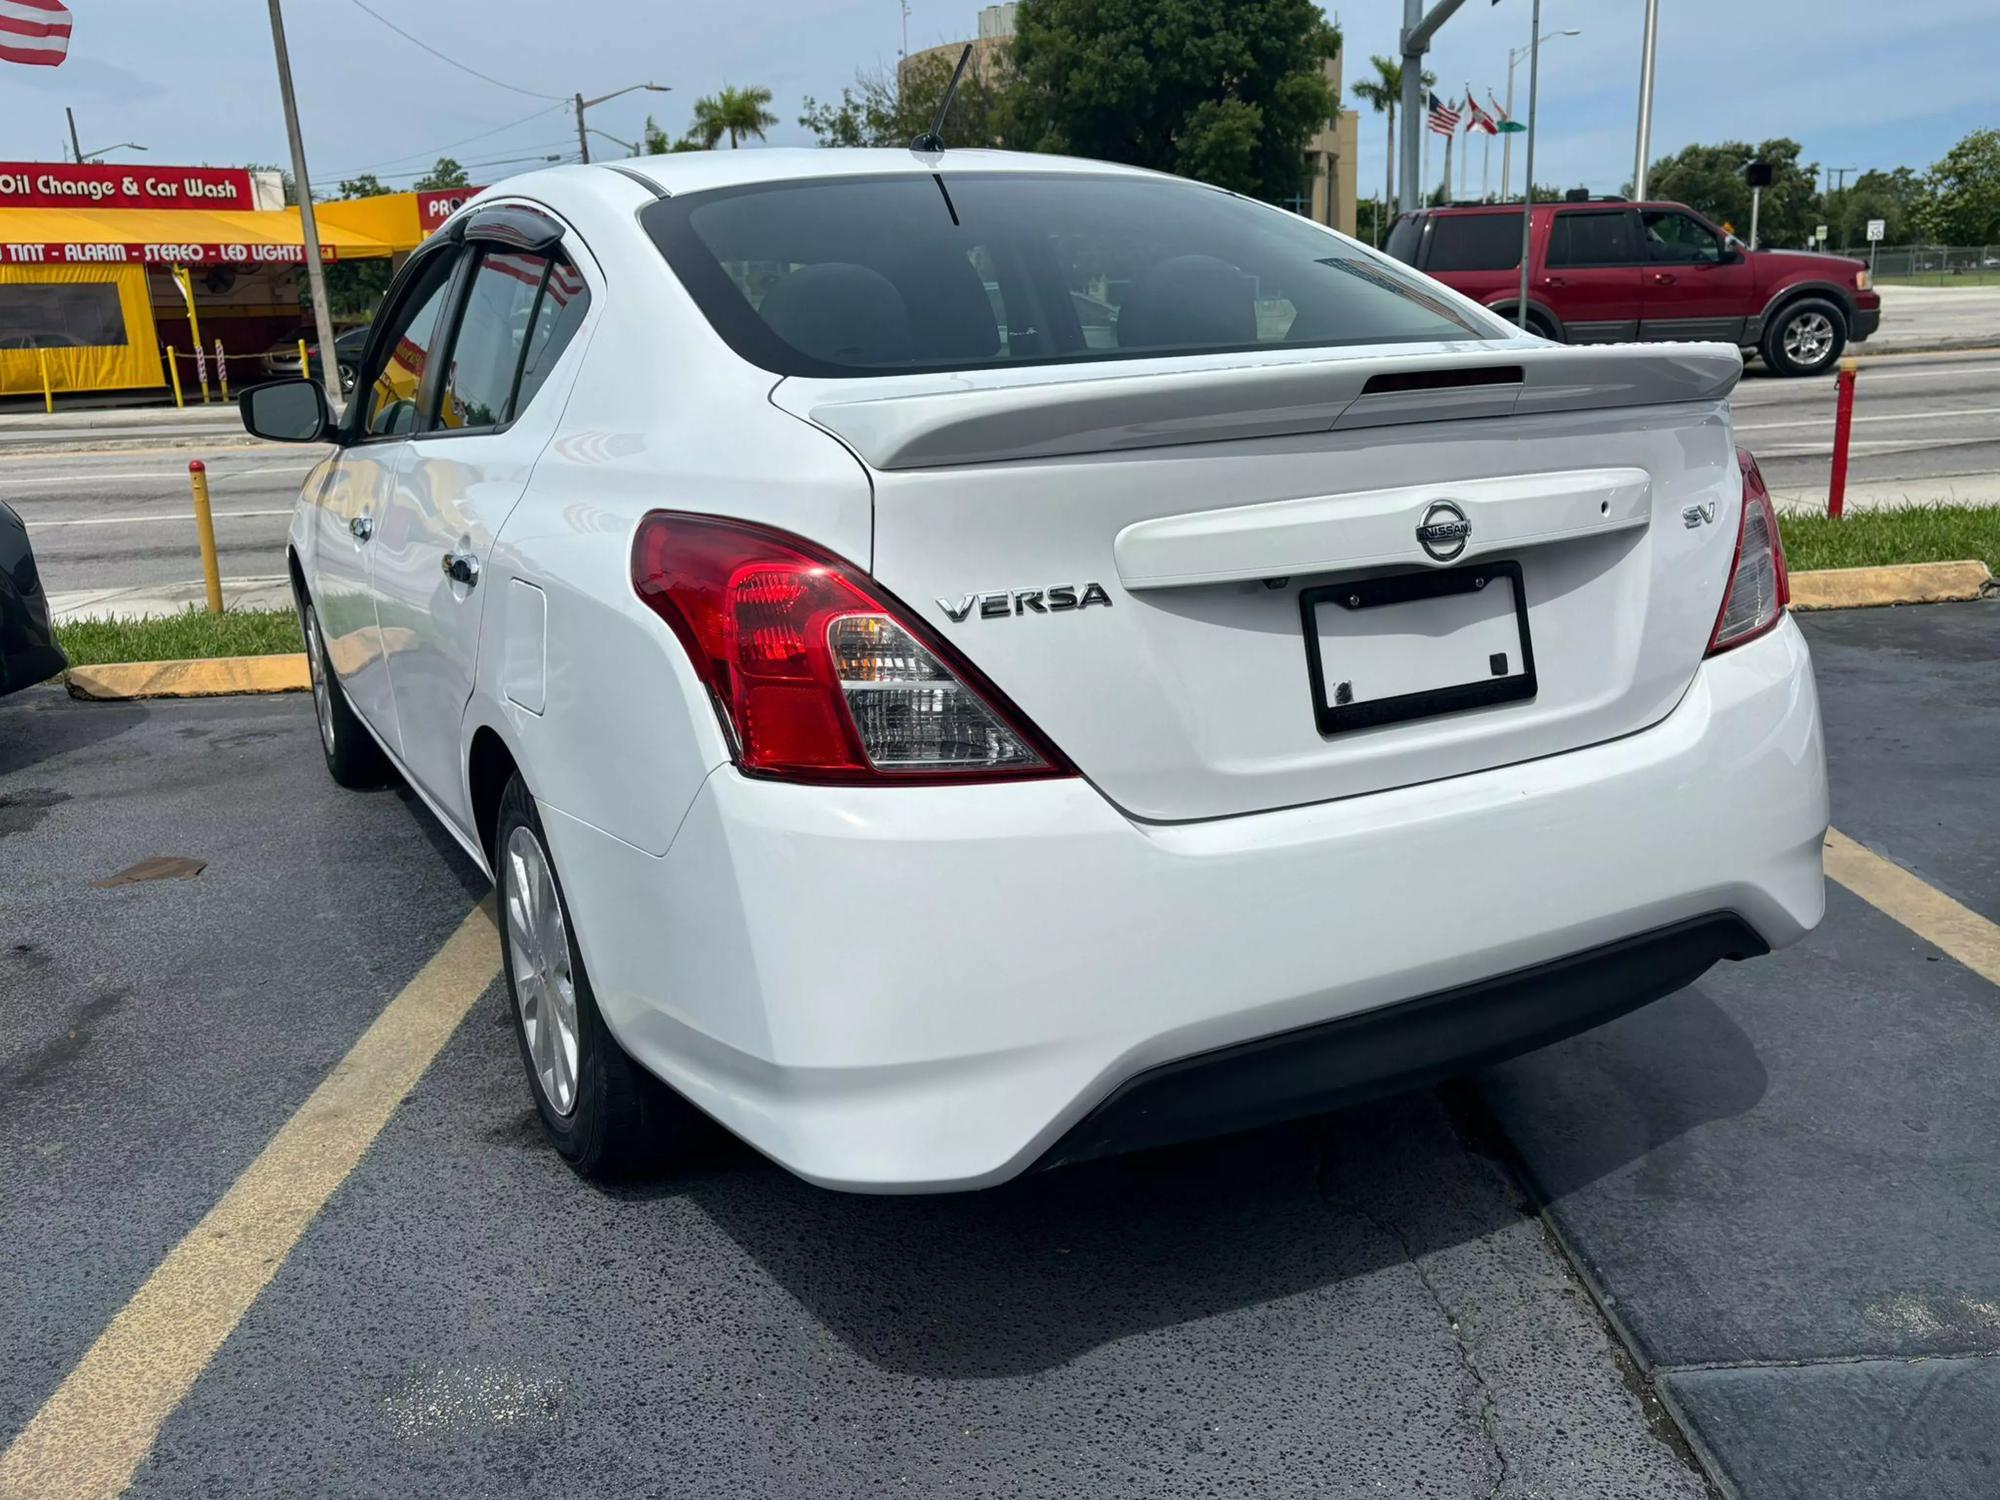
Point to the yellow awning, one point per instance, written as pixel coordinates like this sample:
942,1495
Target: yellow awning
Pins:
69,236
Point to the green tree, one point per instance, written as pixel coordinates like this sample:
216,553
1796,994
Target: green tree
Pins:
874,111
1963,202
733,112
1709,179
1893,197
354,288
1227,93
446,174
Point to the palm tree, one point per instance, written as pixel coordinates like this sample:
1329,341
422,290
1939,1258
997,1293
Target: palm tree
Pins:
735,113
1385,92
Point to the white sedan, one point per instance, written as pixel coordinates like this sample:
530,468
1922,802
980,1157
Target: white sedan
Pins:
936,735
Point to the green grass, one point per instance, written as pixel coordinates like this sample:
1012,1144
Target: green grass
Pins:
192,633
1982,277
1922,533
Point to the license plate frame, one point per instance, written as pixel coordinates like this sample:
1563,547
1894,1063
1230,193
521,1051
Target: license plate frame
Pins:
1409,588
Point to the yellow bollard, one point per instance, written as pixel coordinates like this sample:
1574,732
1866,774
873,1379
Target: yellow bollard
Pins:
48,392
174,369
205,525
222,368
305,364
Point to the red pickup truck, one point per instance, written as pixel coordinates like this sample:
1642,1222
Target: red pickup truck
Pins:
1606,271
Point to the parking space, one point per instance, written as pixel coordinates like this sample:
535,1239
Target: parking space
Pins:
1780,1185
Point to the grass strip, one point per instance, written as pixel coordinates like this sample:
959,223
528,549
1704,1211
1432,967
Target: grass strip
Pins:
193,633
1872,538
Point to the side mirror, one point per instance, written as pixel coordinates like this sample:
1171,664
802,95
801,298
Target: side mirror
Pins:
287,411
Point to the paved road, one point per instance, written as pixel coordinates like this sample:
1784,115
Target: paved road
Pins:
1930,317
111,518
1926,427
1781,1181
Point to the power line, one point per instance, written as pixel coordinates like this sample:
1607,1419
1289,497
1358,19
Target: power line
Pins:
454,62
390,161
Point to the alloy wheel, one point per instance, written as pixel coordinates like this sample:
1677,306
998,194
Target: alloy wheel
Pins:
316,667
544,982
1809,338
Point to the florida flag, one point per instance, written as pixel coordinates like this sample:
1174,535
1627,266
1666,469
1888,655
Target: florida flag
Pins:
35,32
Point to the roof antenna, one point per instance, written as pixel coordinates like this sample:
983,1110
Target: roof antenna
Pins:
933,139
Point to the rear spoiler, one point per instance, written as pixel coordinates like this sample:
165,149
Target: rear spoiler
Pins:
1051,411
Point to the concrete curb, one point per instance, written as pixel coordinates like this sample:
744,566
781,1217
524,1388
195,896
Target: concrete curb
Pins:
1902,583
214,677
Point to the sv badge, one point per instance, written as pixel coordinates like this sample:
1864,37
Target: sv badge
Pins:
1698,515
1054,599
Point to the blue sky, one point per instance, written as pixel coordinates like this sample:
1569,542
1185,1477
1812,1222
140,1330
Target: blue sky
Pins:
1861,85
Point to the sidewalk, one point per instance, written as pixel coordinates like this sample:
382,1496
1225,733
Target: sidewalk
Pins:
214,426
1893,494
150,601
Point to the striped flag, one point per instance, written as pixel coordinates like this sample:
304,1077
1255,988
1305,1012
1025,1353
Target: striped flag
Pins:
1444,119
35,32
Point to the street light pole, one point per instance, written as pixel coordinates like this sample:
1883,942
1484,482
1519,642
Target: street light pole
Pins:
1528,183
1645,146
583,131
329,367
1514,56
75,145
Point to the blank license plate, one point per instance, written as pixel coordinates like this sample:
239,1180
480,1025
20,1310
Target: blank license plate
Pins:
1381,650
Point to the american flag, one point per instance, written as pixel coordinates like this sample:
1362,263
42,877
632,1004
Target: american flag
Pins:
1444,119
35,32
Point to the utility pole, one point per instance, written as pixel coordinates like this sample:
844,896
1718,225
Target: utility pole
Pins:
75,145
1418,29
1645,146
329,367
582,135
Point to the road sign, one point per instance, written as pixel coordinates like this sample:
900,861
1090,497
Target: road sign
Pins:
1820,234
1876,228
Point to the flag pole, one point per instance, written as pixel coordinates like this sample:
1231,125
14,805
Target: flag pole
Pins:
308,225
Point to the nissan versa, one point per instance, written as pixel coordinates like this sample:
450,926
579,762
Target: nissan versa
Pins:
965,662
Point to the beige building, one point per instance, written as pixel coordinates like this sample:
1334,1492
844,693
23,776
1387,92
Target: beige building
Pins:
1329,193
1331,157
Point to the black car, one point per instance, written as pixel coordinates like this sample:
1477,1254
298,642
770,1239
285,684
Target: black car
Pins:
28,650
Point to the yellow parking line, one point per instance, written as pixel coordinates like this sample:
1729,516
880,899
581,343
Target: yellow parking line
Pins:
91,1436
1930,914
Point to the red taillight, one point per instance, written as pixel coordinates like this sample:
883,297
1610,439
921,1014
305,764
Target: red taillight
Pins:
1758,588
816,672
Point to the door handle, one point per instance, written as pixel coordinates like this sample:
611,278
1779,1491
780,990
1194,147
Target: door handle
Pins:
1663,278
1554,281
461,567
362,527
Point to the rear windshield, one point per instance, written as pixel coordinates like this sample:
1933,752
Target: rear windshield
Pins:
1404,237
861,275
1474,242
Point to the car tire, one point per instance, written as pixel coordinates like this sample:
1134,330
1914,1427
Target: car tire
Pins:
607,1116
1805,338
353,758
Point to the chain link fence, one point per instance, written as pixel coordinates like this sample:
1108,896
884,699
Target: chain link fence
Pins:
1934,265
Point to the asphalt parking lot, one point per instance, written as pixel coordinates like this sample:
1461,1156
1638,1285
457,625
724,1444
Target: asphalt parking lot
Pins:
1742,1241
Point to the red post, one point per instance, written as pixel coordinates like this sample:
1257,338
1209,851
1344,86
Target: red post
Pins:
1843,419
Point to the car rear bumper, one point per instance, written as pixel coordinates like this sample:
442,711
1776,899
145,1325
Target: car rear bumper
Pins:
904,990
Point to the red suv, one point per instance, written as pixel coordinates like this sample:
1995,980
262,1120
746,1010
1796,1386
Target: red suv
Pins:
1605,271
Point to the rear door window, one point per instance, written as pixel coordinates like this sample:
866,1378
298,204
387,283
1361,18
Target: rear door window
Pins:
865,275
1474,242
1604,237
520,311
